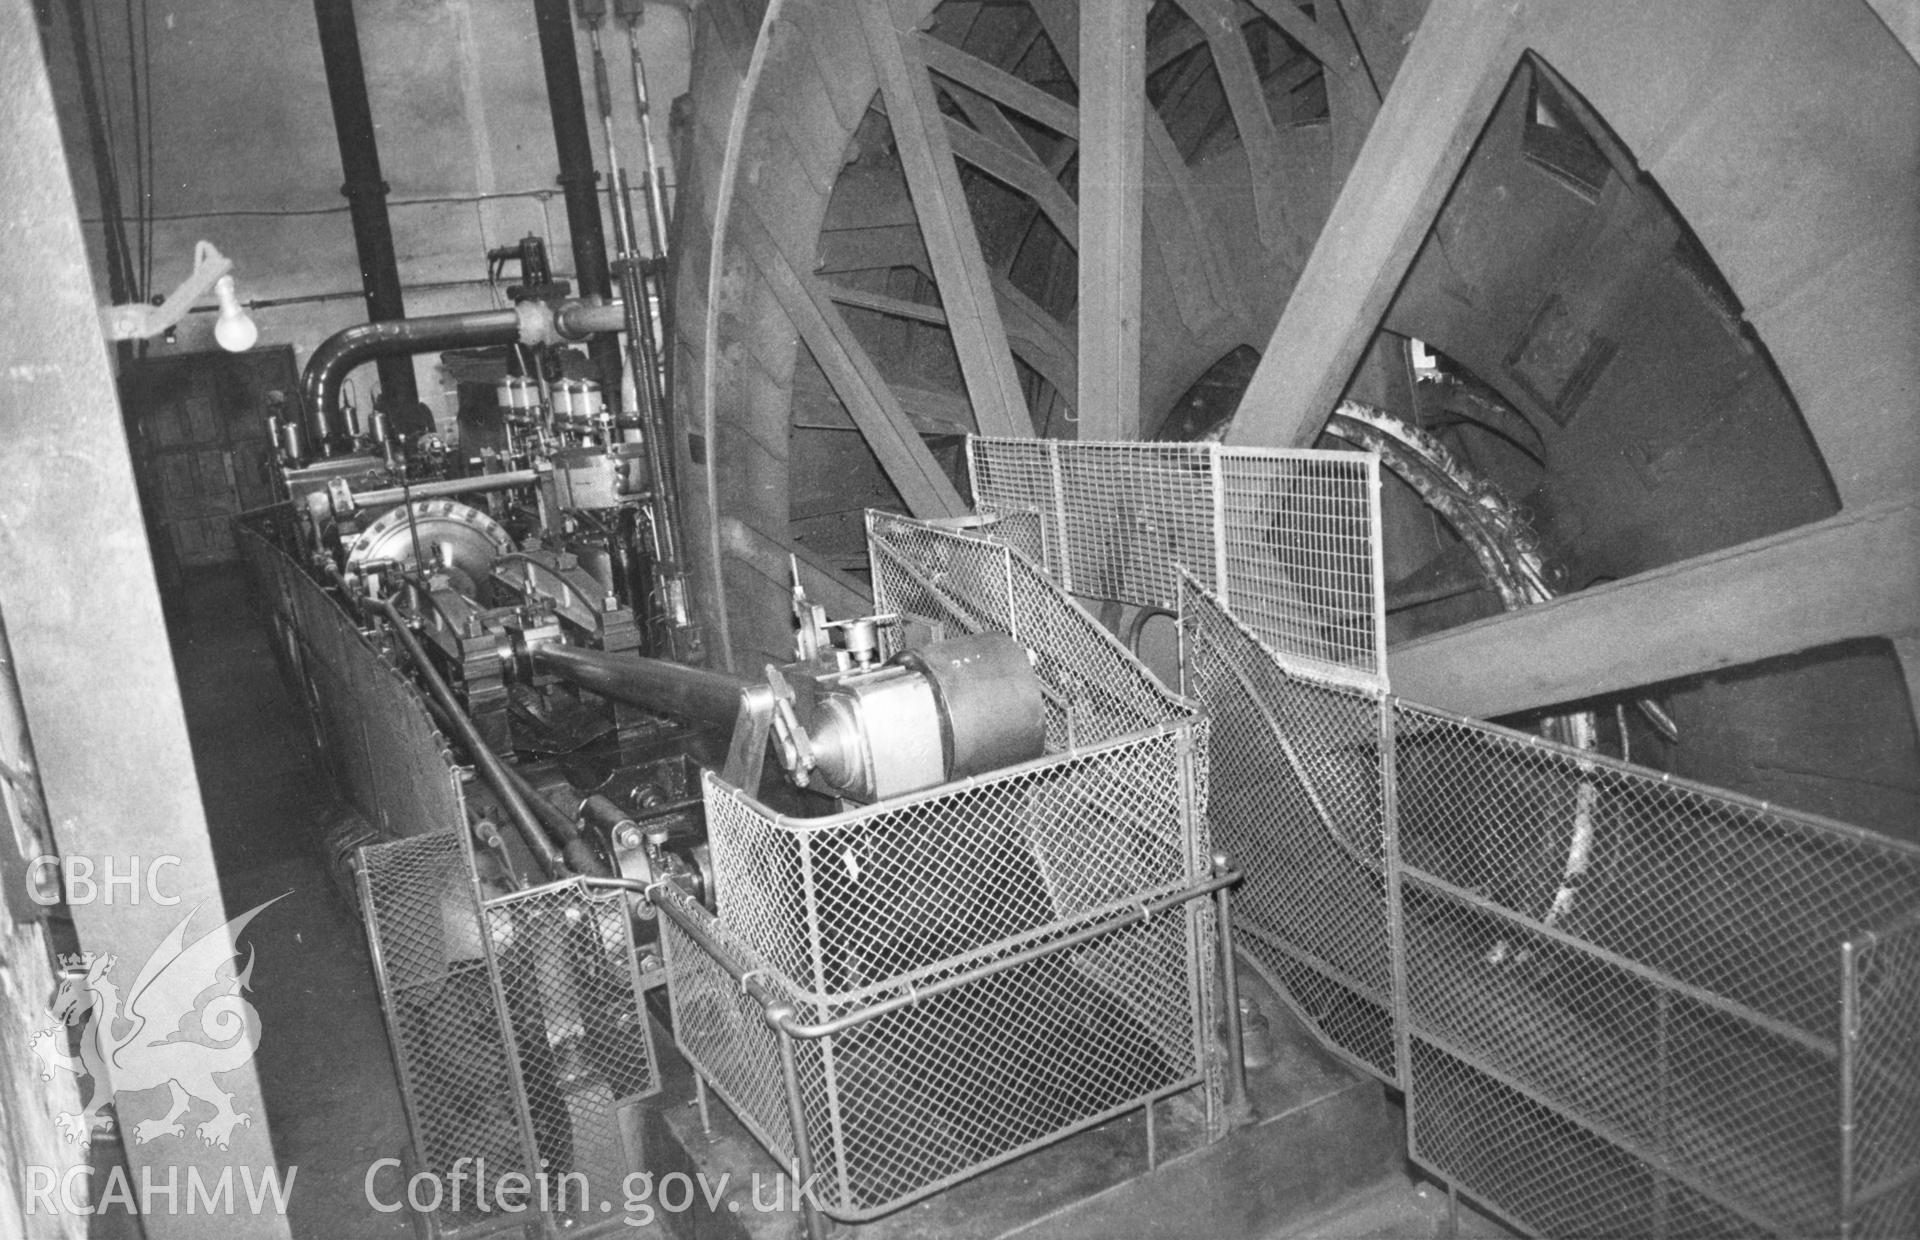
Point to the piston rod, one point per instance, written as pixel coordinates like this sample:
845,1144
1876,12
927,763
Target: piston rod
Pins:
693,693
439,490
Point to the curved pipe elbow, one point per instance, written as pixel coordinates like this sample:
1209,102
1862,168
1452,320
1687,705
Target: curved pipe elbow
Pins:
528,323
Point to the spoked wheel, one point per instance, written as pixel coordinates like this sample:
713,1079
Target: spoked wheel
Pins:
1689,310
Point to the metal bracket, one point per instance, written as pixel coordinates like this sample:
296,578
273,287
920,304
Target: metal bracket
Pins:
143,322
748,752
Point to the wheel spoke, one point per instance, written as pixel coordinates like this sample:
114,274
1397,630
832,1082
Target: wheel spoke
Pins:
999,85
1022,172
1247,100
1852,575
1335,56
946,225
1042,343
1353,99
1113,90
1204,291
855,379
1453,76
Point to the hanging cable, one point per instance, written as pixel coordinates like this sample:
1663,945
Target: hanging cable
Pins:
90,59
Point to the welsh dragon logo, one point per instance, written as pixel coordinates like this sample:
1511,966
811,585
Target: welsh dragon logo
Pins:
146,1040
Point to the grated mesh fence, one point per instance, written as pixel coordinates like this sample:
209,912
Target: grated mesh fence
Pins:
1296,798
516,1023
569,978
720,1028
371,727
981,901
1882,1067
450,1045
1288,539
1657,962
1619,997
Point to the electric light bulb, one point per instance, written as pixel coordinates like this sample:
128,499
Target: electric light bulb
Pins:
235,328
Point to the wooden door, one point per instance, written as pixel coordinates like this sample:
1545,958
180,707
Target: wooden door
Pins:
197,425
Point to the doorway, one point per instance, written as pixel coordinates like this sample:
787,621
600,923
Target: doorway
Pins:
196,423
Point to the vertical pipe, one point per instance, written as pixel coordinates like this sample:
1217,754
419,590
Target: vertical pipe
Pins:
571,138
778,1016
366,194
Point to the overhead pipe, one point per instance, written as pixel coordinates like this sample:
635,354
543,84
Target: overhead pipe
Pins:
365,189
559,56
530,323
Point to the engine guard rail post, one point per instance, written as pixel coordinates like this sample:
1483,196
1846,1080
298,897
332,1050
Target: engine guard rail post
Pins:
780,1017
1239,1103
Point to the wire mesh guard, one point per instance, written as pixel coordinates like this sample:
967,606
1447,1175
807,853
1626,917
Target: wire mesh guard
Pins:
1628,1005
1685,948
1295,795
370,726
1289,539
516,1024
999,879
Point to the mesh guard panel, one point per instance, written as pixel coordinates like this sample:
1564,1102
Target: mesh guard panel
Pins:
843,913
516,1022
1619,1004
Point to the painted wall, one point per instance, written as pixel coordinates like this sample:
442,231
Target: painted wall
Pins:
244,153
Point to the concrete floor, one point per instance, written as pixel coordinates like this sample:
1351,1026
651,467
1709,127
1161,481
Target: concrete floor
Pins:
324,1065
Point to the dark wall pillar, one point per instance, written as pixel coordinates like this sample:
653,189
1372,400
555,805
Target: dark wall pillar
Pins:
365,189
559,56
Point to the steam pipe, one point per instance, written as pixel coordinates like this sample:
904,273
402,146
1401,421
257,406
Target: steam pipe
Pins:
670,688
528,322
559,57
365,189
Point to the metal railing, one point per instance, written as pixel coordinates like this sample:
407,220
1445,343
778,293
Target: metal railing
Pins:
753,1037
